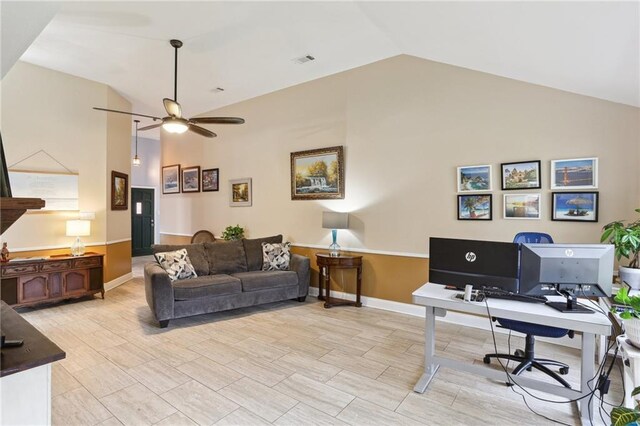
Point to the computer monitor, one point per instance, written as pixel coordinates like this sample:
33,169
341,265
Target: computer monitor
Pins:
483,264
569,269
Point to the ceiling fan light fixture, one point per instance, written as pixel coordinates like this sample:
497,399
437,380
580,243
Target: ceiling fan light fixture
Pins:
136,160
175,125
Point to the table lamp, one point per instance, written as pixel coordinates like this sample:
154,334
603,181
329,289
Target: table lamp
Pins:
78,228
335,221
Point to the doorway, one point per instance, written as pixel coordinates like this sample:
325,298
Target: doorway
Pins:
142,223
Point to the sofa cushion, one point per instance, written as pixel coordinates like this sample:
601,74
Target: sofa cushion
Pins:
176,264
253,250
262,280
276,257
195,251
226,257
207,286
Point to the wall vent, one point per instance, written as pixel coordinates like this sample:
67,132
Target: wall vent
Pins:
303,59
217,90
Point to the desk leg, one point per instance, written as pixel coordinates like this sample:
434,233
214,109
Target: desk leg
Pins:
430,367
358,287
587,371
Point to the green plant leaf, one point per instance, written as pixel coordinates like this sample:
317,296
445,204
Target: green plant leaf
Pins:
625,315
621,416
622,296
635,391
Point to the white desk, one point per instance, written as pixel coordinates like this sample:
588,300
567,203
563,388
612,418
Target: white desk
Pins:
437,301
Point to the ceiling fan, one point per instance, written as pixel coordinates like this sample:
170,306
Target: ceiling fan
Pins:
174,122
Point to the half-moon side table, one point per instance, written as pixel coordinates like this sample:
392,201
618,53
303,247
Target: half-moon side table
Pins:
325,264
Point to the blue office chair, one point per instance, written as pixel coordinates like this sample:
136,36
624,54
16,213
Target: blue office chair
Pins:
527,357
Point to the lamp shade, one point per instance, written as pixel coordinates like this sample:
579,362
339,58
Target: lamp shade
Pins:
78,228
335,220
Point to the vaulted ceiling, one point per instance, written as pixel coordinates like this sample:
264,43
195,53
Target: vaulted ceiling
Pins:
589,48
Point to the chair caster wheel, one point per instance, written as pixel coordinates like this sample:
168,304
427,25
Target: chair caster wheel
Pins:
486,360
520,353
564,370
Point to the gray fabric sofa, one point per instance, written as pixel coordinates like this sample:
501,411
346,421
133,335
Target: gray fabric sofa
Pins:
230,276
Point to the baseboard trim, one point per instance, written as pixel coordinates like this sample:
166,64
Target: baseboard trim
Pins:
118,281
457,318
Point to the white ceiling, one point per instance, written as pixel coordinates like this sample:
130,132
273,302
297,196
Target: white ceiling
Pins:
590,48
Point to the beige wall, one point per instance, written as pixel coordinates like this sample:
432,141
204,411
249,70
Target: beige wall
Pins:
47,110
406,124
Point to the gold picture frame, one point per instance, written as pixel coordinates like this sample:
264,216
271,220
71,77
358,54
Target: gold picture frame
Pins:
318,174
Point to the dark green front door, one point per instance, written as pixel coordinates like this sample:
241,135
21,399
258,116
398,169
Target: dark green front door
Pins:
141,221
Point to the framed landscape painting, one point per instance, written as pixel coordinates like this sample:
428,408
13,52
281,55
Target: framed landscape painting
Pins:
191,179
210,179
317,174
521,175
574,206
579,173
119,191
521,206
474,207
240,192
474,178
171,179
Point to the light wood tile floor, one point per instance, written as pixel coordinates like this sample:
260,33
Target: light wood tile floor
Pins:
284,363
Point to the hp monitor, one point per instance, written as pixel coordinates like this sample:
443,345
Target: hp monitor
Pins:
569,269
483,264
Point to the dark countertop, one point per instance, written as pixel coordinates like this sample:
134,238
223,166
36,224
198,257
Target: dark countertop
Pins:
36,350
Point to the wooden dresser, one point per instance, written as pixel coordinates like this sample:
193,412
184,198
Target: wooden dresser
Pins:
56,278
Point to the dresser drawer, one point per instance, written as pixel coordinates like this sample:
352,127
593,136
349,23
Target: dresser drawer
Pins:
55,266
87,262
18,269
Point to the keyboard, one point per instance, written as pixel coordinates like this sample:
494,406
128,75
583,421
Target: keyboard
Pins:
507,295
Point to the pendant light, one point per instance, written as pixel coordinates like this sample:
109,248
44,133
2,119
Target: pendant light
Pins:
136,160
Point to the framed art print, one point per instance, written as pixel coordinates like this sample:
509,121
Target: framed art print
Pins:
119,191
317,174
579,173
210,179
521,175
574,206
171,179
191,179
240,192
474,207
474,178
521,206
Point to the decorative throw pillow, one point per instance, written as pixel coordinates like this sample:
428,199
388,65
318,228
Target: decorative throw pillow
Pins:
177,264
276,257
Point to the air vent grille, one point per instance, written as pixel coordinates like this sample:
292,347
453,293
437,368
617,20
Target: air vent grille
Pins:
304,59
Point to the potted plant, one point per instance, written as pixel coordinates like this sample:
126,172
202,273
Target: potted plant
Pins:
626,239
232,233
621,416
630,316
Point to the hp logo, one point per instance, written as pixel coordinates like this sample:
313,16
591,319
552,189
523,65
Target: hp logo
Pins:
568,252
470,256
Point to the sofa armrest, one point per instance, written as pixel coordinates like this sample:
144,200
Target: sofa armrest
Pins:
301,265
159,291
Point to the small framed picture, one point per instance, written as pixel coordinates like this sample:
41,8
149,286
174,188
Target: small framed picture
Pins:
574,206
171,179
191,179
579,173
521,175
521,206
474,178
119,191
474,207
210,178
240,192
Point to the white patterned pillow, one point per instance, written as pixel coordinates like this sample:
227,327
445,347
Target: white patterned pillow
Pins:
276,257
176,264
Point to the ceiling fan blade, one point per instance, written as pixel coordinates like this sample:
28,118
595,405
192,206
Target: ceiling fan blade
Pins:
202,131
127,113
173,108
153,126
217,120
